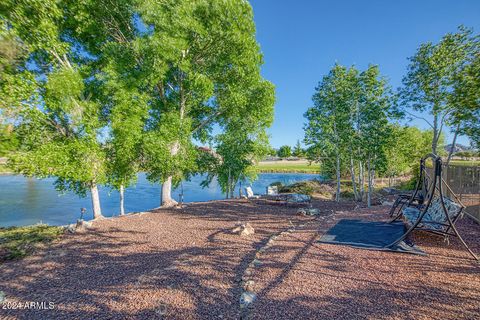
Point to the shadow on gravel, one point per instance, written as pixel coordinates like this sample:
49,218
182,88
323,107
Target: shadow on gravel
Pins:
373,302
126,273
306,280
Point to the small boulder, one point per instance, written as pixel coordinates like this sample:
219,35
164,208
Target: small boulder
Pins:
70,228
301,212
244,229
248,285
83,225
246,299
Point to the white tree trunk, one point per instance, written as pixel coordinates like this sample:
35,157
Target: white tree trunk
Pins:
436,134
452,148
122,200
97,211
354,182
361,180
337,194
369,194
167,200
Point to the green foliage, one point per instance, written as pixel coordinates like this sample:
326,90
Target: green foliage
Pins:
98,91
284,151
435,82
200,64
8,140
288,167
405,148
298,150
17,242
466,97
348,123
468,154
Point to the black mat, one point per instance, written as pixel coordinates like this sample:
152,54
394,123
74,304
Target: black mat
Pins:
369,235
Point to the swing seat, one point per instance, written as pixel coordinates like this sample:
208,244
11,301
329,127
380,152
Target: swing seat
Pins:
434,218
435,212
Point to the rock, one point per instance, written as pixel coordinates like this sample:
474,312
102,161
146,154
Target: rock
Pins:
387,203
308,212
249,285
70,228
246,299
257,263
244,229
301,212
83,225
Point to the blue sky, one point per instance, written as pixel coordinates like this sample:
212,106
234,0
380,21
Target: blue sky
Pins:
302,39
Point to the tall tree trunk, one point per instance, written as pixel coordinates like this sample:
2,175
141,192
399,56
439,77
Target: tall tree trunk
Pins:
454,142
369,175
122,200
167,200
97,211
354,183
337,194
361,180
436,134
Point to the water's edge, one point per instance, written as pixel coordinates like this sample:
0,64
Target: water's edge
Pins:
26,201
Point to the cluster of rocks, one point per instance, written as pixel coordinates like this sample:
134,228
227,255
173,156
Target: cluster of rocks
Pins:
248,295
313,212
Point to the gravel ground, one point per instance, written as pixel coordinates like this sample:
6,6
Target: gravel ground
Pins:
303,279
187,264
174,264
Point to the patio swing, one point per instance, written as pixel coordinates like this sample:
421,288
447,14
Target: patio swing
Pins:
427,208
415,199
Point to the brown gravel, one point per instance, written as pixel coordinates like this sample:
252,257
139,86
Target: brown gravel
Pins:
187,264
303,279
176,264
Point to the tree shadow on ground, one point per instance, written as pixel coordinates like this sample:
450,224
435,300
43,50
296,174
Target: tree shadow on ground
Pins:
124,272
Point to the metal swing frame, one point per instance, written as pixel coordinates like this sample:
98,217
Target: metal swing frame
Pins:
437,183
417,198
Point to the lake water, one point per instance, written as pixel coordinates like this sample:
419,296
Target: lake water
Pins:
25,201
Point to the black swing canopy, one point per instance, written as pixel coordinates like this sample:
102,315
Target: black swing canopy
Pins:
427,208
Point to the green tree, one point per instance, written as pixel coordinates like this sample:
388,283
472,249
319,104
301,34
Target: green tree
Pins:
284,151
375,109
348,125
466,97
328,129
53,89
430,80
199,59
297,150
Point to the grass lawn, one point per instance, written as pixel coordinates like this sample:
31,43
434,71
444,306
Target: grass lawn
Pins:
17,242
464,163
288,166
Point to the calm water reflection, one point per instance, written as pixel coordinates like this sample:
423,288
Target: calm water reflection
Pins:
25,201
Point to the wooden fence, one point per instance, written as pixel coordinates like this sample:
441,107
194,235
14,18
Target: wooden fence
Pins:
465,182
